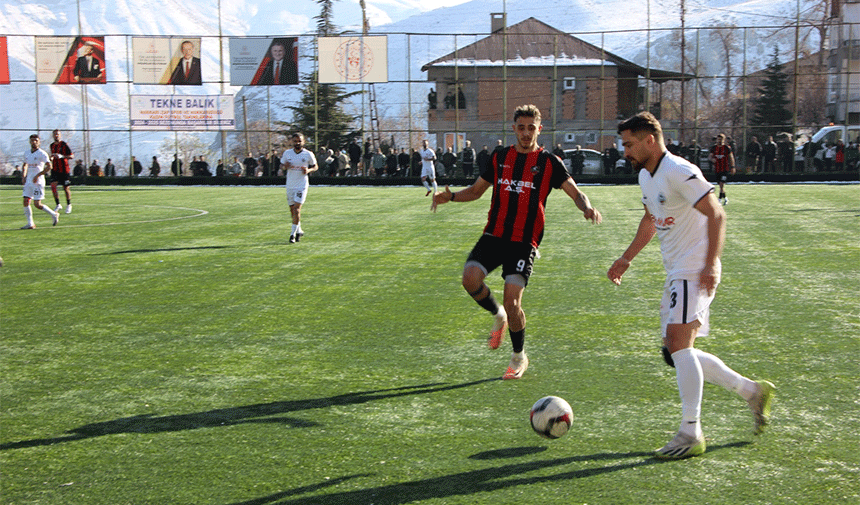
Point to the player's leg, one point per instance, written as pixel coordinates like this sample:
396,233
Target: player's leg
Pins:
67,188
483,259
56,196
55,216
28,215
514,287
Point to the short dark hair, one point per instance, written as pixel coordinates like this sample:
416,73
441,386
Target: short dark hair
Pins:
644,122
34,136
297,134
527,111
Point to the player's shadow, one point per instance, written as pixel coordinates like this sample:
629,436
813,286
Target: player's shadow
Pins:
163,249
258,413
474,481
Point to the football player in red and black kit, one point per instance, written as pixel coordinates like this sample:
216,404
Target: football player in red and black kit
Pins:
60,156
723,161
521,177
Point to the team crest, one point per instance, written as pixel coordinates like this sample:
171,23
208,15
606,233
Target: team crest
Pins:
661,198
535,169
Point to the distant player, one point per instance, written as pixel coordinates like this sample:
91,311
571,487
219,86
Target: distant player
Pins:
723,161
297,162
428,168
60,156
36,165
681,210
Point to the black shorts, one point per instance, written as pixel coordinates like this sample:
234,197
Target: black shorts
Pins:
60,178
722,176
515,258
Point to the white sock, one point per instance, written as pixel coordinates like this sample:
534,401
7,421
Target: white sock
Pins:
435,187
299,228
295,226
426,184
49,211
716,372
688,372
28,213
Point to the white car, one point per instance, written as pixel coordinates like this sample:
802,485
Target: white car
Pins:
593,164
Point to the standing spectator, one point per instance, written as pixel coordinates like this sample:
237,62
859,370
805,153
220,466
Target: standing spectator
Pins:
263,164
558,151
515,227
342,163
769,155
694,152
175,166
431,99
467,160
136,167
95,170
753,154
403,162
378,163
498,147
274,162
577,161
298,162
36,166
428,168
723,160
461,98
681,210
155,168
368,157
354,151
839,158
449,100
79,170
235,168
60,156
785,152
829,154
250,166
484,160
204,167
449,159
110,169
219,168
415,163
391,163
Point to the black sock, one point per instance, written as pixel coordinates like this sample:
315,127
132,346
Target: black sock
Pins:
489,304
518,339
722,195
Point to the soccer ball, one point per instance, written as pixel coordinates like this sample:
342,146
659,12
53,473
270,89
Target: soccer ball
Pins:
551,417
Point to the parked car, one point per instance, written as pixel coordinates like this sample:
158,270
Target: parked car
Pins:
593,164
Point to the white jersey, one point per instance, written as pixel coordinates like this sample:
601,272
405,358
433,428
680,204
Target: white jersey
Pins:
428,156
35,161
293,162
670,195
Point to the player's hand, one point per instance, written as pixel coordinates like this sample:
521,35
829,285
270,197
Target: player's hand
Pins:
593,215
439,199
709,278
617,270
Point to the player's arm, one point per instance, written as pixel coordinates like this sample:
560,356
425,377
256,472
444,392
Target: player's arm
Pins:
472,193
716,216
644,234
581,201
311,168
46,170
24,173
732,161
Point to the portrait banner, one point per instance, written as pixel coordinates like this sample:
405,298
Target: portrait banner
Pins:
344,60
182,112
4,62
264,61
70,60
166,60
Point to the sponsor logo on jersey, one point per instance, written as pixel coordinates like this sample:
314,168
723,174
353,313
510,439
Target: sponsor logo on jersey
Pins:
515,186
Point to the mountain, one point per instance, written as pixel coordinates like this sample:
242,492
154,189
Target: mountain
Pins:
106,106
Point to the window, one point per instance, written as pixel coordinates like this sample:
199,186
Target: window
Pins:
569,83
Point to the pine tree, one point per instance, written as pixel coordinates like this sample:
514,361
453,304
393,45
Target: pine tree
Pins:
320,114
771,114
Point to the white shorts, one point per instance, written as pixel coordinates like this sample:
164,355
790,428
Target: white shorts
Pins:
428,172
684,303
34,191
296,195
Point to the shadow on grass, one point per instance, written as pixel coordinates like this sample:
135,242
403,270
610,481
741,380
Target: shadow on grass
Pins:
474,481
163,249
249,414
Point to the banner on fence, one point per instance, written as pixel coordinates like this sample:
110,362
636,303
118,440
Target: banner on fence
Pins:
345,60
167,60
264,62
182,112
70,60
4,62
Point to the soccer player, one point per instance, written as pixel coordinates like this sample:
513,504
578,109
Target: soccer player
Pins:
297,162
60,156
36,165
723,161
680,208
428,168
521,177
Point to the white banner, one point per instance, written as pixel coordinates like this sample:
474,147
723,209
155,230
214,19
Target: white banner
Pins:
346,60
182,112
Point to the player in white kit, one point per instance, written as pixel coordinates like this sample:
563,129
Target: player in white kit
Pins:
428,168
682,210
37,164
297,163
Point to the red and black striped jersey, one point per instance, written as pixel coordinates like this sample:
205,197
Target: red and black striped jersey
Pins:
721,156
521,184
60,165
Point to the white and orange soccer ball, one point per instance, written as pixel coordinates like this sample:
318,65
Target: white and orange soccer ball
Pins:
551,417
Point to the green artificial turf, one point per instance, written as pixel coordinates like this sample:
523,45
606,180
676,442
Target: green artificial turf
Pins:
168,346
